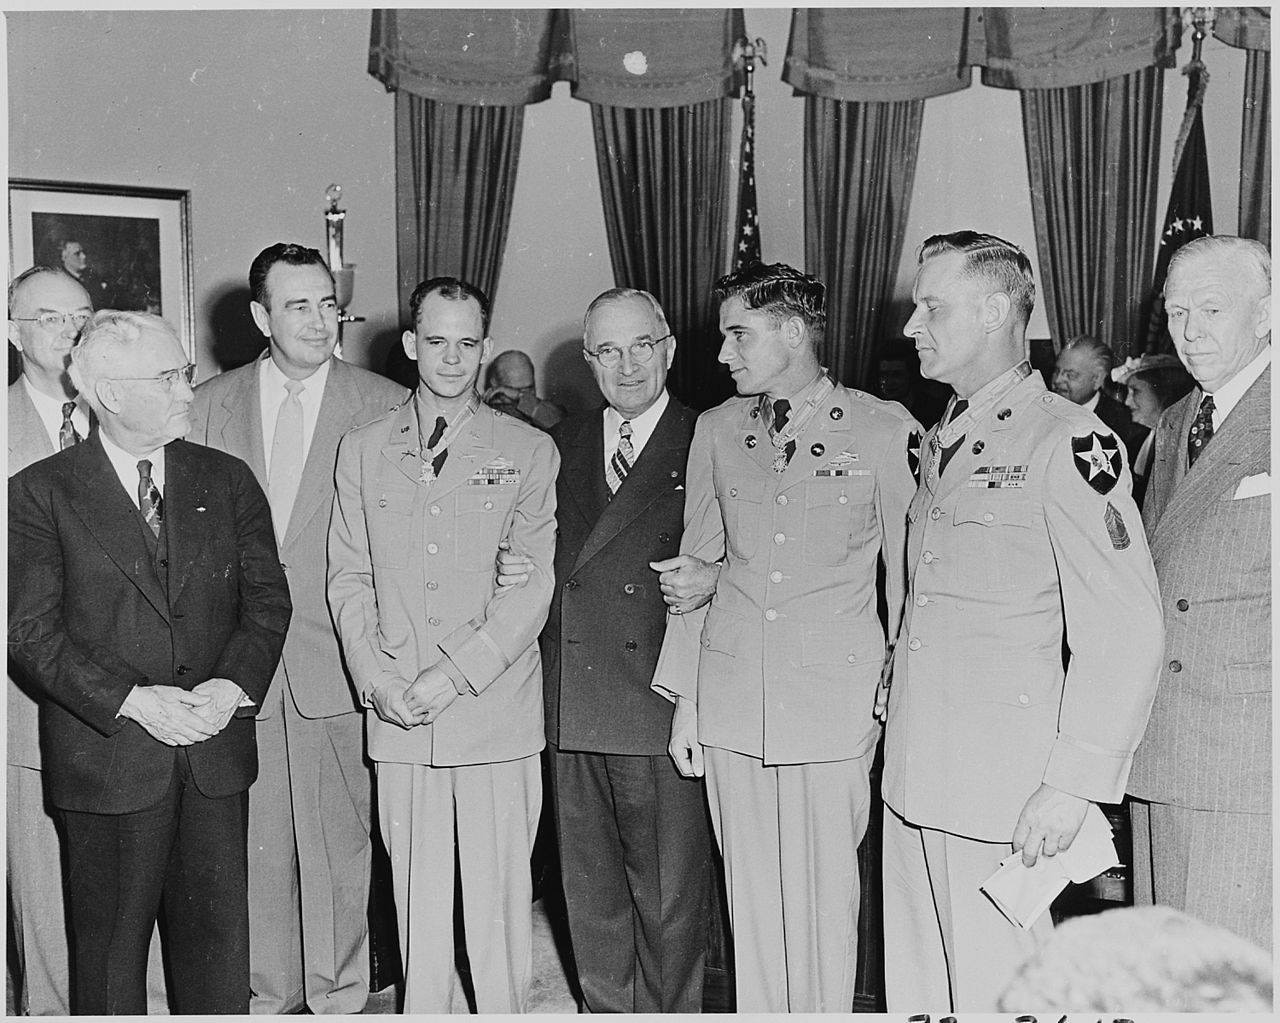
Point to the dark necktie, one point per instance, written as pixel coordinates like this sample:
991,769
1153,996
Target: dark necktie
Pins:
67,436
437,463
623,458
782,413
956,411
1201,430
150,502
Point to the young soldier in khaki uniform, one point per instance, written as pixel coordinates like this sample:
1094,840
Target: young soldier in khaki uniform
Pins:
1023,528
801,486
448,667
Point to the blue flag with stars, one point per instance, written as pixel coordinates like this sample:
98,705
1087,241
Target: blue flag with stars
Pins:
746,248
1190,212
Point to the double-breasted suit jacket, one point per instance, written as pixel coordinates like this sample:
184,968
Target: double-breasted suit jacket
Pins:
1029,532
1208,743
90,617
607,619
786,663
226,415
412,579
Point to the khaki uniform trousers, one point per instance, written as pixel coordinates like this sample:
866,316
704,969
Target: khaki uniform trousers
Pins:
946,946
309,862
491,811
789,835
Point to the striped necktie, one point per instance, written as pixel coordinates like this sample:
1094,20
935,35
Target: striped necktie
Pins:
620,463
67,436
150,503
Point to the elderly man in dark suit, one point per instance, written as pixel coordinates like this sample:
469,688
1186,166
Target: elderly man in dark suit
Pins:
147,605
1080,373
1202,774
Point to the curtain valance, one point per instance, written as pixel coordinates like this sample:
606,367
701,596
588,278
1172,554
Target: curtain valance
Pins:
1246,27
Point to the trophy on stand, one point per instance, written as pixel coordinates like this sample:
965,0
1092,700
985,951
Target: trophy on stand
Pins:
344,274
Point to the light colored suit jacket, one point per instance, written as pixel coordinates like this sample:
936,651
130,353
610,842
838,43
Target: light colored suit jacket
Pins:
981,711
227,415
412,580
1208,743
784,661
28,442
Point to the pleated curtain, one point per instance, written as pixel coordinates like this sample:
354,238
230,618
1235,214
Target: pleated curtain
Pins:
860,163
1091,157
1255,148
664,181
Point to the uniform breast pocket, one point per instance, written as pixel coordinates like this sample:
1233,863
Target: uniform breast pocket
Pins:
480,520
835,509
740,506
389,517
991,529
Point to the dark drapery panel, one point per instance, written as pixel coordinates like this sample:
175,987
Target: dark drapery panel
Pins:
1246,27
664,182
455,178
860,161
1255,149
1091,155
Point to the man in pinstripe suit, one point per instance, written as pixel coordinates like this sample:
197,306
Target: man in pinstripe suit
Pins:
1202,775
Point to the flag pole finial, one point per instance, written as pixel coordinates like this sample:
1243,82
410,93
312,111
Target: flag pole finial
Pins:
745,53
1200,20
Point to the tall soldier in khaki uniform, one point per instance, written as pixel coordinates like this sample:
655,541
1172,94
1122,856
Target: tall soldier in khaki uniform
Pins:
448,668
777,678
1023,528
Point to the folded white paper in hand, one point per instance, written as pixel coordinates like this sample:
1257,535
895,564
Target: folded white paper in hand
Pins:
1022,893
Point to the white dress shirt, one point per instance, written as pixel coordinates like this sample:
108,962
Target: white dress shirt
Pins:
272,394
642,427
1092,404
126,467
50,412
1228,396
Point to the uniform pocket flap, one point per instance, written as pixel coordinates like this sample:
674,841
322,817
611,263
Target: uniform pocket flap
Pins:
722,631
842,643
1254,677
1008,510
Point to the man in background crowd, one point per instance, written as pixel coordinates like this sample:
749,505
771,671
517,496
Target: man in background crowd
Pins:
1202,837
512,389
309,811
1080,374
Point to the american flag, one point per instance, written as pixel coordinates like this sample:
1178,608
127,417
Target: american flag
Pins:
747,247
1190,212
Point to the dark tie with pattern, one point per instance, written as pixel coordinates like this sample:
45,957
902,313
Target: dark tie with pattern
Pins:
1201,430
956,411
67,435
781,414
437,463
623,458
149,500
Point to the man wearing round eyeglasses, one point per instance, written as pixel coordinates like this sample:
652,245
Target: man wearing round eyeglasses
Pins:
148,608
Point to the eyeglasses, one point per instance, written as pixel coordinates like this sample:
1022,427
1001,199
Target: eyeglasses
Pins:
610,356
169,377
56,321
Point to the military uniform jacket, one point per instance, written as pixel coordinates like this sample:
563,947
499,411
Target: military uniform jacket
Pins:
608,617
412,579
1208,743
1011,546
785,660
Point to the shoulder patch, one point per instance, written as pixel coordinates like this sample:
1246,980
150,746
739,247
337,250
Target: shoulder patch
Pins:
1097,459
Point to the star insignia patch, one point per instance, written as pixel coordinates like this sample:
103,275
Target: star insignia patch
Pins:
913,454
1097,459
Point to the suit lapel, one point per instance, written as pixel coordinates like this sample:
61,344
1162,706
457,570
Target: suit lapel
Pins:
107,512
237,422
185,512
338,407
28,441
468,451
582,468
400,449
753,437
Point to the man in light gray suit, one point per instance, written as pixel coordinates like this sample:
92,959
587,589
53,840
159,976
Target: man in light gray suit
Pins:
309,811
1202,775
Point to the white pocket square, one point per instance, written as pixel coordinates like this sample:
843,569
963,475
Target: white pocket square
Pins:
1253,486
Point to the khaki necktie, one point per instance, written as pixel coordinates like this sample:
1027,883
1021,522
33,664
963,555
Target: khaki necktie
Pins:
286,457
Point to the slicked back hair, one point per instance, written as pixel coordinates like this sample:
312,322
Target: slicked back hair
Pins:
35,271
280,252
451,288
779,290
1000,263
618,294
1252,256
1101,353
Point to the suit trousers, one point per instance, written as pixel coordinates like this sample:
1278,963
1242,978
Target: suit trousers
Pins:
486,814
187,854
946,946
309,862
635,861
1214,865
789,835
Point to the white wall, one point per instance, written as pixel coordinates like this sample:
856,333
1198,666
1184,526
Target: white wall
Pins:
257,112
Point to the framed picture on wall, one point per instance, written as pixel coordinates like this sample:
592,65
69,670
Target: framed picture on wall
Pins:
130,247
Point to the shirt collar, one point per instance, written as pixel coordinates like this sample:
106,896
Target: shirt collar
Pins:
50,409
273,380
642,426
1228,396
1092,404
126,465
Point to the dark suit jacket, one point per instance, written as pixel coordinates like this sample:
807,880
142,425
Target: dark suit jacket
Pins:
1117,416
607,620
1208,741
90,617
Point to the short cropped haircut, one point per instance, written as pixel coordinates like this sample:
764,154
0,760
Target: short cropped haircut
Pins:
107,337
1090,345
780,291
34,271
1002,264
280,252
451,288
618,294
1252,255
